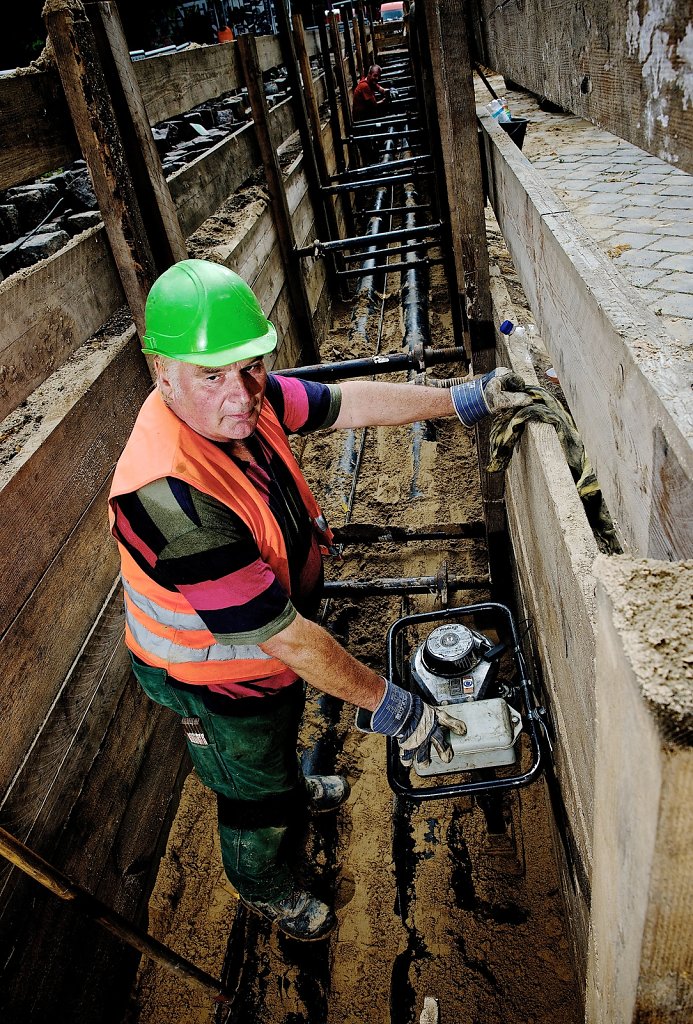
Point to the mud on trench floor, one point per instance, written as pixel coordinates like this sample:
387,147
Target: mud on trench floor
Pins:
428,904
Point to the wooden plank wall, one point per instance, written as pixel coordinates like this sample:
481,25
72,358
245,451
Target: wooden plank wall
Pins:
51,309
641,943
624,776
90,769
624,66
622,378
554,550
36,134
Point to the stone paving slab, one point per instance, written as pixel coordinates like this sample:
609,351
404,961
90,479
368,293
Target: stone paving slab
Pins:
637,208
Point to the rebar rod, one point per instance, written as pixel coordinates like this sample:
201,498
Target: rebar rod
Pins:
399,209
394,250
355,136
383,236
389,119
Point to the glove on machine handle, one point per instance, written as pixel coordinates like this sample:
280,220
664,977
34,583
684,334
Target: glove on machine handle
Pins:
414,724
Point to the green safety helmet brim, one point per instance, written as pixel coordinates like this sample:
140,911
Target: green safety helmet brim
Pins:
201,312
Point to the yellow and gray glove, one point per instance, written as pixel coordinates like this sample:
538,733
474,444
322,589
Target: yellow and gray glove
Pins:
415,725
495,392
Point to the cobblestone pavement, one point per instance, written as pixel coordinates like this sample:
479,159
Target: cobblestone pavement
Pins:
637,208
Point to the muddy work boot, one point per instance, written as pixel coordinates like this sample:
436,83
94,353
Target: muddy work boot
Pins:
300,915
326,792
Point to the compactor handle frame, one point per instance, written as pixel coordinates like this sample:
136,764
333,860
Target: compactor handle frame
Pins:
398,775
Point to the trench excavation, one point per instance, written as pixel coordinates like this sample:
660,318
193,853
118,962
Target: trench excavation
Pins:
545,874
456,899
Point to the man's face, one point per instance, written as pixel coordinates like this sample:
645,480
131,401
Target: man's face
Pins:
221,403
373,77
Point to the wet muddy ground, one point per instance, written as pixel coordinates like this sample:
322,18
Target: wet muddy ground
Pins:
429,904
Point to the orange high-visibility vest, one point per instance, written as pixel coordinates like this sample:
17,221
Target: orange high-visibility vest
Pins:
161,627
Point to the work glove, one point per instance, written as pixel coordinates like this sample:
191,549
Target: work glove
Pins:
495,392
415,725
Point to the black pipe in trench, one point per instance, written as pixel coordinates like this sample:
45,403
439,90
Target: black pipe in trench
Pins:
414,299
320,758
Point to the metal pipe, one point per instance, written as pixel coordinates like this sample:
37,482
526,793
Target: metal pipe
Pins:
413,359
394,266
60,885
404,585
354,186
367,285
398,165
383,236
394,250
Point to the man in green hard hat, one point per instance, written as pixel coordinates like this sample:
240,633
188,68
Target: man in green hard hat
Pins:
221,548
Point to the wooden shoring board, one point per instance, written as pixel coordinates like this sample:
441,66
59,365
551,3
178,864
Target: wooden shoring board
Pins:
65,460
36,133
110,844
641,948
554,550
110,122
626,381
199,188
41,644
49,311
65,744
274,178
288,353
626,67
174,83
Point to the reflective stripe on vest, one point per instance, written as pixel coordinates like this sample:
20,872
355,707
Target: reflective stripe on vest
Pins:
162,628
165,647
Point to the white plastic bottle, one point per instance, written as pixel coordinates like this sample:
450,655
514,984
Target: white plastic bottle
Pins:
508,328
499,110
495,108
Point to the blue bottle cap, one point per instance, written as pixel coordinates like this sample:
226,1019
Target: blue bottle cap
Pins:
507,327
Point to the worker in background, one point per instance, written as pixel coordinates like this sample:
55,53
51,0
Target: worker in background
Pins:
221,545
369,99
225,34
369,95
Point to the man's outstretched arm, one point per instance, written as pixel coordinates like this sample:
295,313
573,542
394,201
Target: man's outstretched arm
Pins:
379,404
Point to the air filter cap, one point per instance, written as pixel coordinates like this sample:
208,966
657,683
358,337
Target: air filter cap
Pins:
450,650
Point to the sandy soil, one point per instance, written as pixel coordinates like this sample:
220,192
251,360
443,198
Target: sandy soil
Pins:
428,903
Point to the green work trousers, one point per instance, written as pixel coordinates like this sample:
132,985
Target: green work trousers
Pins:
244,750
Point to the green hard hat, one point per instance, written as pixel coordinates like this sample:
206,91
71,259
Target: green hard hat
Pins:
201,312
